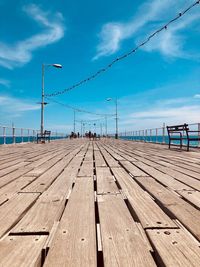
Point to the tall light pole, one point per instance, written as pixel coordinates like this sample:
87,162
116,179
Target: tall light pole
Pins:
42,100
106,125
101,133
74,120
116,115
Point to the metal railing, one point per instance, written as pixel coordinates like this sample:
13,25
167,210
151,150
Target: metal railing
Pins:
13,135
156,135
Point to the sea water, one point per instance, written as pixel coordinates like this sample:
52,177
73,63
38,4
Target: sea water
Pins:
157,139
19,139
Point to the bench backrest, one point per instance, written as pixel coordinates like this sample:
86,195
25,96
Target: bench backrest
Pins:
178,128
47,132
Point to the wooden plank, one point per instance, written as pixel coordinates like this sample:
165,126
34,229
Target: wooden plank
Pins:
41,168
183,211
122,242
192,196
89,155
6,179
14,187
109,159
12,210
105,181
192,182
163,178
41,217
22,251
12,168
99,160
46,179
148,212
175,248
115,154
132,169
86,169
49,207
74,243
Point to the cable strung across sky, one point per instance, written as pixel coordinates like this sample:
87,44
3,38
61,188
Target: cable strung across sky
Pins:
78,109
132,51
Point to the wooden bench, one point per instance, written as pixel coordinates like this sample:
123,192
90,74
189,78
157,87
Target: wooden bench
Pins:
43,137
182,132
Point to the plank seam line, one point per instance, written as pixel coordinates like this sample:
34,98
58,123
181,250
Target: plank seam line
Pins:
28,233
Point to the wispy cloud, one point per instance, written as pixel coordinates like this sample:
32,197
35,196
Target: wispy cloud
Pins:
150,16
13,105
5,83
197,96
20,52
170,111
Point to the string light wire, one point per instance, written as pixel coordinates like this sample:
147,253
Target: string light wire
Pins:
78,109
132,51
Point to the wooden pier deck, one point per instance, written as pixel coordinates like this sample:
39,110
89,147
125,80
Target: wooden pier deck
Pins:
99,203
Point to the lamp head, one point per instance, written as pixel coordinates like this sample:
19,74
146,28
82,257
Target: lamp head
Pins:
59,66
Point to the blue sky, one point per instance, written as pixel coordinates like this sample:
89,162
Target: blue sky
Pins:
160,83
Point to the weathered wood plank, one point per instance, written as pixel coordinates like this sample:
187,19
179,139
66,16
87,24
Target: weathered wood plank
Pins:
122,242
99,160
175,247
46,179
105,181
22,251
183,211
193,196
163,178
135,171
86,169
149,213
50,205
74,243
12,210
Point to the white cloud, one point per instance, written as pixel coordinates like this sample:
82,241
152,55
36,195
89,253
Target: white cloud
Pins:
4,82
155,117
171,42
15,106
20,53
197,96
62,128
150,16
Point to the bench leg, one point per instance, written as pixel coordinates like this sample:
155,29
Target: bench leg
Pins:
181,143
169,143
188,145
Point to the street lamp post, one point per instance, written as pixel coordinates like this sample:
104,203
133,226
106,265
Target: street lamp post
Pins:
74,121
42,100
116,116
101,133
106,125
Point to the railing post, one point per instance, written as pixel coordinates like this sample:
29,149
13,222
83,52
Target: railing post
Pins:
13,135
199,134
150,135
4,135
156,135
143,136
33,134
28,135
163,133
22,135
